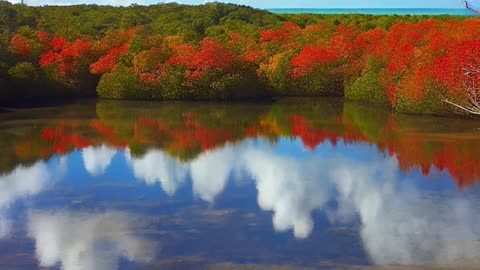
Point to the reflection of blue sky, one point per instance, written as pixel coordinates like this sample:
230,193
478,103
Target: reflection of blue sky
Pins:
405,218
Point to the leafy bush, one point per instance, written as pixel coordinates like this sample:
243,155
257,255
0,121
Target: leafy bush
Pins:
122,83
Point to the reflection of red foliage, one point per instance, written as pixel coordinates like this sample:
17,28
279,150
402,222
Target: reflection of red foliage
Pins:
63,139
311,138
108,132
412,150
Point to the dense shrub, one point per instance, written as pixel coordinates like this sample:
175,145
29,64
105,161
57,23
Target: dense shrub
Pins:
367,87
122,83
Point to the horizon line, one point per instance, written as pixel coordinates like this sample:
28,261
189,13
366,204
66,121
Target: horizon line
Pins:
370,8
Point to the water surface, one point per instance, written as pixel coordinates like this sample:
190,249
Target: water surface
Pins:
293,184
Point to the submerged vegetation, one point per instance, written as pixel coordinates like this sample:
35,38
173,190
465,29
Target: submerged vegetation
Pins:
221,51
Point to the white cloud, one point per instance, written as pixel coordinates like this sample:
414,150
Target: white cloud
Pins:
97,159
84,241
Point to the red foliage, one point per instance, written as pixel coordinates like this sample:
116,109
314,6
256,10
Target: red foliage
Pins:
448,68
255,56
68,57
312,57
291,27
47,58
274,36
44,37
58,44
108,62
182,55
21,46
235,36
212,55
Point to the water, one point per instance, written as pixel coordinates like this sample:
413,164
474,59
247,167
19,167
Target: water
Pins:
293,184
376,11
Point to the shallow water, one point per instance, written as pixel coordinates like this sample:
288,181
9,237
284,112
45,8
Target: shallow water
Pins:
293,184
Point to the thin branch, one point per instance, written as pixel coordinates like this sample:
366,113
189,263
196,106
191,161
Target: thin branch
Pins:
461,107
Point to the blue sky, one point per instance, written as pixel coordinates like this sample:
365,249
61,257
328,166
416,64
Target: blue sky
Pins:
279,3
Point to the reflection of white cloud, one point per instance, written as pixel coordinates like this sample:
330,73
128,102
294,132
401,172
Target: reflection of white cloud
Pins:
290,188
211,170
400,224
23,182
97,159
4,227
156,166
86,241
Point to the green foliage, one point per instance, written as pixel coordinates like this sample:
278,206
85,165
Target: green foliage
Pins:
323,81
171,83
274,73
430,103
121,84
367,88
23,71
364,22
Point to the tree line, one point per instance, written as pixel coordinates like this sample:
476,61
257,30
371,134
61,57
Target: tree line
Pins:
222,51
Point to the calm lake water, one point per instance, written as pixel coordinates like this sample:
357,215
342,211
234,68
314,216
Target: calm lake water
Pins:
292,184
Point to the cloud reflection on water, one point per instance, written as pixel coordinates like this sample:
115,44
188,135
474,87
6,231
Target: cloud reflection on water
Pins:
24,182
400,223
81,241
97,159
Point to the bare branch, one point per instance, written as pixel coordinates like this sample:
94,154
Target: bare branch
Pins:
472,89
470,7
461,107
